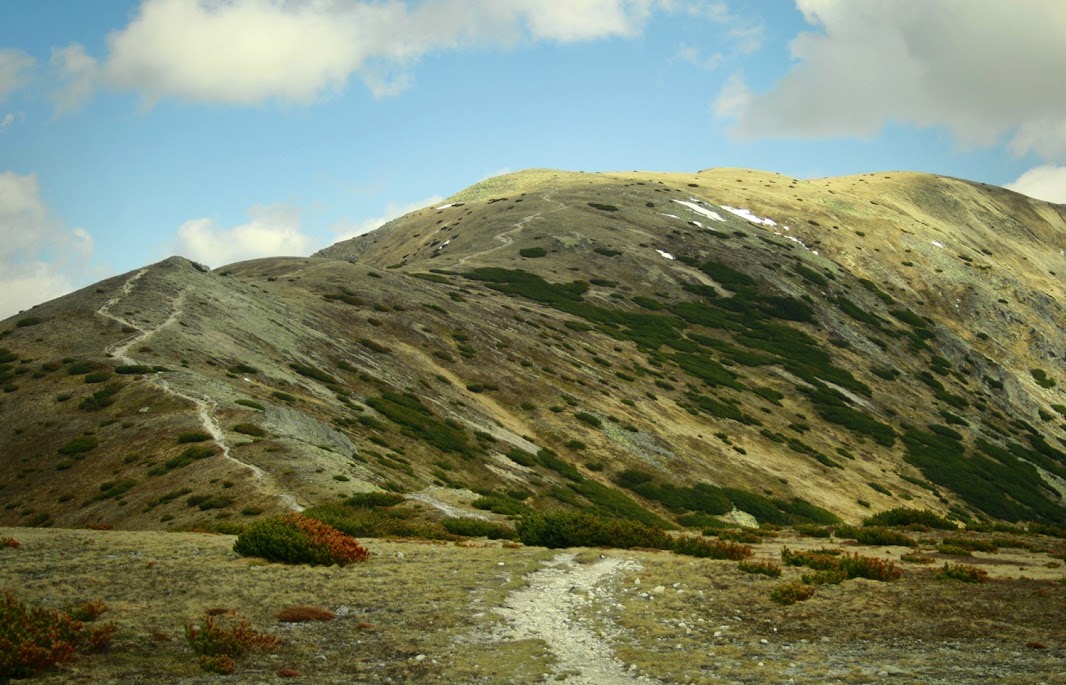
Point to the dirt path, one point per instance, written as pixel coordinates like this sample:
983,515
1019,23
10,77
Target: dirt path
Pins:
205,406
505,237
545,610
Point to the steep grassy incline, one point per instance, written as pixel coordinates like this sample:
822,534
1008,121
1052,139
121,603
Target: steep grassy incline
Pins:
676,349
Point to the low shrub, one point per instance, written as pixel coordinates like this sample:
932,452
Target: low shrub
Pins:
693,546
34,639
374,499
12,543
883,536
963,572
972,544
304,614
222,638
252,404
369,522
134,369
762,568
556,529
916,558
533,252
477,528
298,539
873,568
819,560
193,436
905,516
954,550
249,429
79,445
790,593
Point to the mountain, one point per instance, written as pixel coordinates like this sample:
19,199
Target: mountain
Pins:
677,348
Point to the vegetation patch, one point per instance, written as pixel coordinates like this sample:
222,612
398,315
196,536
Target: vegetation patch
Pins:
221,638
406,410
557,529
34,639
298,539
905,516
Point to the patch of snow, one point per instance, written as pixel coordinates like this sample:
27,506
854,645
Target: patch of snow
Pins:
938,243
672,216
696,224
748,215
694,205
450,204
665,255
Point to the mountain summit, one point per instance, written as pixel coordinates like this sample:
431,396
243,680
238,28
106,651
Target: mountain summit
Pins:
677,348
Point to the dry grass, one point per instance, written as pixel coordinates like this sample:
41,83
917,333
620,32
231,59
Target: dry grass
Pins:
424,612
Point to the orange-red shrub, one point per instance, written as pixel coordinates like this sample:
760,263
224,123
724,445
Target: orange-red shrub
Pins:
33,639
9,542
303,614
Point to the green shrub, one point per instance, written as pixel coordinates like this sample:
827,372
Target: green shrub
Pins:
34,639
579,529
590,419
873,568
103,397
299,539
826,577
964,572
497,504
97,377
250,403
972,544
763,568
371,522
819,560
249,429
882,536
693,546
191,454
954,550
134,369
79,445
790,593
374,500
1042,379
476,528
533,252
603,207
194,436
904,516
28,321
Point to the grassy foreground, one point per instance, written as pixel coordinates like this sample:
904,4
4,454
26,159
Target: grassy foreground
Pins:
424,612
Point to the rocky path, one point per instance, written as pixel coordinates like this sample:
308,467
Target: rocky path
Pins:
547,610
205,406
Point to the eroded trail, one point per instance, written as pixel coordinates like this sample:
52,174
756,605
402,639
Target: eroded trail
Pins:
205,406
547,610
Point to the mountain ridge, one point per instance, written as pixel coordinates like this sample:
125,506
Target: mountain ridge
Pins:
686,345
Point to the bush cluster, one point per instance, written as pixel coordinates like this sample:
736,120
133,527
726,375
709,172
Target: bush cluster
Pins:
34,639
790,593
905,516
9,542
963,572
692,546
849,565
298,539
477,528
763,568
579,529
220,639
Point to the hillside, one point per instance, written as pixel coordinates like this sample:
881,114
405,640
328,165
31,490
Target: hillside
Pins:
679,348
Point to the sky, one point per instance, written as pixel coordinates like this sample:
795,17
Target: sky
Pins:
224,130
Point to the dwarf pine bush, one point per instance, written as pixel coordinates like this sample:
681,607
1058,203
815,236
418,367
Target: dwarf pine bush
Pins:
34,639
964,572
580,529
220,639
298,539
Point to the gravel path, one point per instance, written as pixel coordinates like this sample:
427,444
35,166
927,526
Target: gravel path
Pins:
546,610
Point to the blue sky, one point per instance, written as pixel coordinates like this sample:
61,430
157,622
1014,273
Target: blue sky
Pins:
224,130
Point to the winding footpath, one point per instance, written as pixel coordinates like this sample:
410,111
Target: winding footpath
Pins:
545,610
205,406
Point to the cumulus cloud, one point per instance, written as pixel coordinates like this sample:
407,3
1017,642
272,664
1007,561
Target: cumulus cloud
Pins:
983,70
1047,182
14,70
39,258
251,51
344,231
273,231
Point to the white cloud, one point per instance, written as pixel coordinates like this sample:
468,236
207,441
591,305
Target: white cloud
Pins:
79,73
733,99
344,231
273,231
39,258
8,119
251,51
1047,182
981,69
14,65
